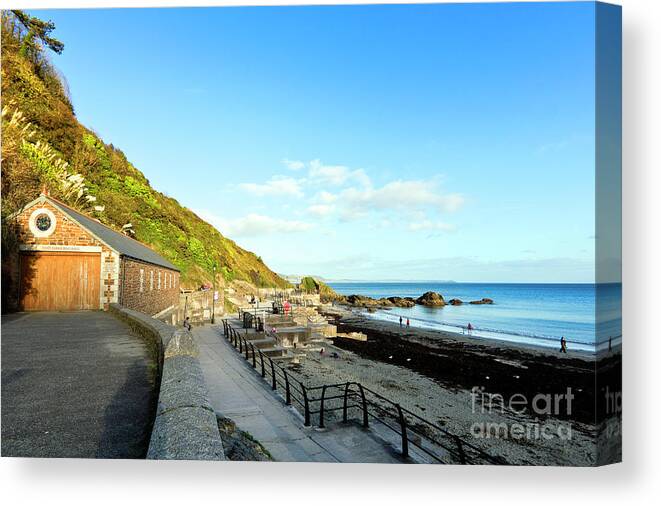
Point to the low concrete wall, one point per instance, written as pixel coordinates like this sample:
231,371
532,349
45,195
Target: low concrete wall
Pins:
185,426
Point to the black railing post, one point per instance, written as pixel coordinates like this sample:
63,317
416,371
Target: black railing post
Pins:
245,344
254,361
321,407
274,385
462,454
402,424
366,420
345,406
287,392
261,359
240,344
306,404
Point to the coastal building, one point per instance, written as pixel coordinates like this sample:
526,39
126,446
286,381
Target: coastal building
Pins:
70,261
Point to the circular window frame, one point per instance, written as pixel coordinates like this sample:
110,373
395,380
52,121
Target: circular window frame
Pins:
33,222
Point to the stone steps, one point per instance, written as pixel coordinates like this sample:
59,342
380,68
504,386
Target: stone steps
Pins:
262,343
274,351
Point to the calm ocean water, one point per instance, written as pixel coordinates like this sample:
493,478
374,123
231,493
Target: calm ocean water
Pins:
537,314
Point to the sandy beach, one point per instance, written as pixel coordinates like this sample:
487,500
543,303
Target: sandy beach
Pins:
447,378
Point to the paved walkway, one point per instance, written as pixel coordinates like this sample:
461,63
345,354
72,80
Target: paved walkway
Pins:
75,384
240,394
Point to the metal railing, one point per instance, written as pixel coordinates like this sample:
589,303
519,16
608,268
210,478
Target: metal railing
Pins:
354,400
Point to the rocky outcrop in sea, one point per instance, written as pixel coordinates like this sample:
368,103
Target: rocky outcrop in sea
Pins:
428,299
431,299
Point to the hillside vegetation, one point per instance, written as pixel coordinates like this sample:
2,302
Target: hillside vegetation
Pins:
44,144
313,285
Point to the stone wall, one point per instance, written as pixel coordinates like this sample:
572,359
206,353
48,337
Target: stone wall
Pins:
185,427
147,288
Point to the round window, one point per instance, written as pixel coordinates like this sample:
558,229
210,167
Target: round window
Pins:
43,222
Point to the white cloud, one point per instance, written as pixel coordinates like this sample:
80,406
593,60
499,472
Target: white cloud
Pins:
336,175
326,197
253,225
257,224
293,164
320,210
276,186
408,196
428,225
349,194
467,269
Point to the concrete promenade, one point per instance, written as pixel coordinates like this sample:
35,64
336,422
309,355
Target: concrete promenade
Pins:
75,384
239,393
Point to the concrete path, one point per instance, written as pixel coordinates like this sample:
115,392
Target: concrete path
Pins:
239,393
75,384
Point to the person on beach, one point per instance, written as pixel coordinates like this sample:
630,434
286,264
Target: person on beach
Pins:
563,345
469,328
408,322
610,344
187,324
400,321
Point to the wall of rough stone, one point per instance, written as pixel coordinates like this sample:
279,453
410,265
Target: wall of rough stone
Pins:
147,288
185,427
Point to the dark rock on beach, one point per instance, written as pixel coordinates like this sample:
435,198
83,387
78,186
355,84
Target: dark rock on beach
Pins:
402,301
482,301
384,302
361,300
455,302
431,299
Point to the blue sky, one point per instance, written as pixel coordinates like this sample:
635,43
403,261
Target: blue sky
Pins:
426,142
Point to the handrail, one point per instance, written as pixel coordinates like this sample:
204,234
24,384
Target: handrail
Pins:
300,396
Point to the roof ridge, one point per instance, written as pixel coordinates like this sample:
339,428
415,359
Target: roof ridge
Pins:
101,223
68,208
48,197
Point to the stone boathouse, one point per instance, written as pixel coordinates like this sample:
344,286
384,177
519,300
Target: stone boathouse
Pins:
69,261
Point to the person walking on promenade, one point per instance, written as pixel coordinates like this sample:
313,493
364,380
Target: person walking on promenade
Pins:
400,321
563,345
187,324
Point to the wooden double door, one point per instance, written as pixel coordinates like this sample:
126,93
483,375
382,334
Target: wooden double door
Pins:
60,281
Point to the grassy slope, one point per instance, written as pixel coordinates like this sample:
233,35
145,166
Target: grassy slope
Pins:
158,220
310,284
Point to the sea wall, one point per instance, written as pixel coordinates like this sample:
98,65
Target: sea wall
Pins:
185,426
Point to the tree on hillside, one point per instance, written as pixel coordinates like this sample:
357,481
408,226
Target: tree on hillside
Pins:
37,30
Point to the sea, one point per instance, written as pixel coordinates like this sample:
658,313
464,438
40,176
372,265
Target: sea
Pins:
587,315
